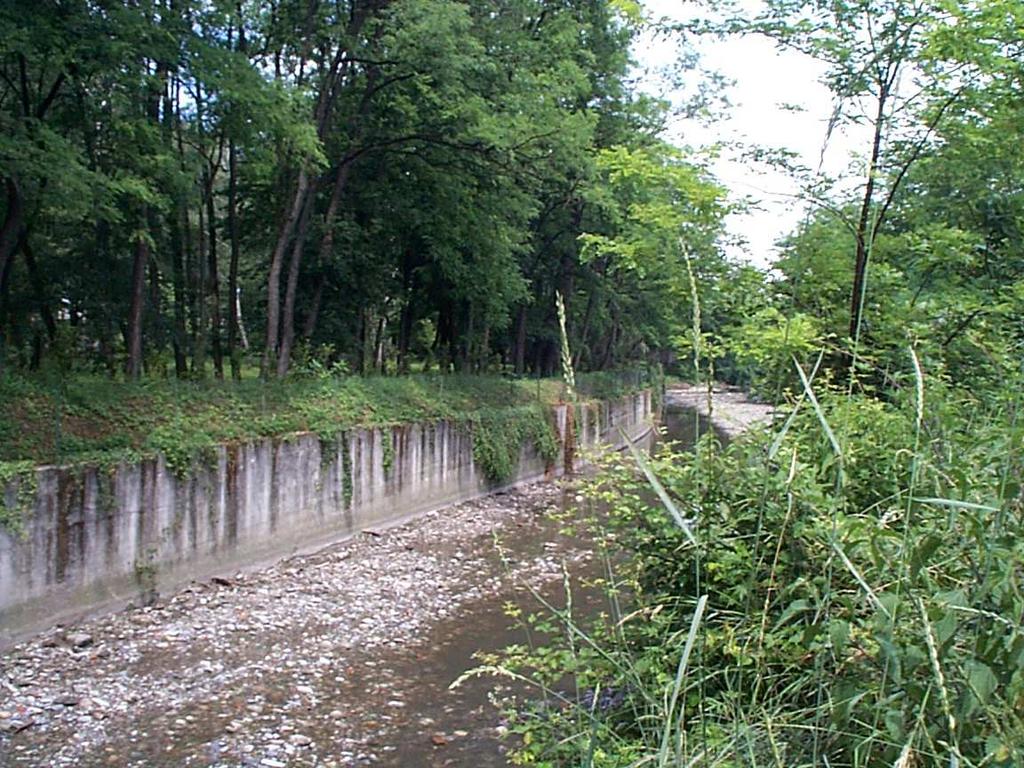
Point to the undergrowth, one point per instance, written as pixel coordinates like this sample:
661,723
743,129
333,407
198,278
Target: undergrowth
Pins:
851,596
17,494
500,434
96,420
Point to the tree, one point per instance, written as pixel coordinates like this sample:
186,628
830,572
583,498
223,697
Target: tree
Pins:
874,55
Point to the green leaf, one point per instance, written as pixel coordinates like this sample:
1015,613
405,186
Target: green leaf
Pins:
980,679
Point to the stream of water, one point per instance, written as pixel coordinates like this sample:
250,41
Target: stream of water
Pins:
461,727
340,658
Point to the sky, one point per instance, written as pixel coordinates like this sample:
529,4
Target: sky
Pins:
764,79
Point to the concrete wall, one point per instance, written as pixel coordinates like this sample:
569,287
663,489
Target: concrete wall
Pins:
99,539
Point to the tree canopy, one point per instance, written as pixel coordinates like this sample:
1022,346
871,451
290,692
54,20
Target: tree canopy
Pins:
197,185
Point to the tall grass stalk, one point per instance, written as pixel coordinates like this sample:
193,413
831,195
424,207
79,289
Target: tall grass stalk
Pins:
857,574
568,373
671,718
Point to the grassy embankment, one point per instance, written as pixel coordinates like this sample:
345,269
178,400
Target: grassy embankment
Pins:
92,419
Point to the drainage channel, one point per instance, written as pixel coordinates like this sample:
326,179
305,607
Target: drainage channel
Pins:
340,658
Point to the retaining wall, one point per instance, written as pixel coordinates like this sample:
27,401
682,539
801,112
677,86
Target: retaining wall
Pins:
96,539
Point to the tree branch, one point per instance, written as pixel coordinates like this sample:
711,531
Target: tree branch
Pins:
44,105
915,153
23,76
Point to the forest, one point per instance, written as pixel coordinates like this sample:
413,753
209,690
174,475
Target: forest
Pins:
193,188
197,190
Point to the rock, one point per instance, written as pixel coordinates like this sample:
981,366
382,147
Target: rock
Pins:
300,740
270,762
439,739
15,726
79,639
67,699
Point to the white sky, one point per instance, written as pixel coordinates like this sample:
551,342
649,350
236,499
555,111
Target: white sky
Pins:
764,80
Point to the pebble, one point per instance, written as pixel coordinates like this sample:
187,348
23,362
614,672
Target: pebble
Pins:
262,674
80,639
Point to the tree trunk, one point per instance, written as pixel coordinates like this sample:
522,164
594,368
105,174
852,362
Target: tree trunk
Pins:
519,354
404,335
269,361
483,349
361,336
133,368
309,327
405,317
214,281
233,354
11,228
36,281
327,244
860,266
176,223
202,317
242,336
379,360
321,116
323,254
180,335
6,328
582,351
466,348
234,300
284,354
328,92
156,329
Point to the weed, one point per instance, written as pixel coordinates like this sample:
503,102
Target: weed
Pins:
499,436
106,422
18,486
862,610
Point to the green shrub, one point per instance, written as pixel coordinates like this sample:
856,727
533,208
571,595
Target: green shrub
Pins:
864,605
17,494
499,436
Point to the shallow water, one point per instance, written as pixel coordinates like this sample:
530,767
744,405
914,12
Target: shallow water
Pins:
464,719
340,658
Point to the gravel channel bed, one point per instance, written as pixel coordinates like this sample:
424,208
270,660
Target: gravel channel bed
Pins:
731,409
276,667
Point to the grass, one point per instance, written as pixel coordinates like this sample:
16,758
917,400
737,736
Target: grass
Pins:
843,590
862,567
85,418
